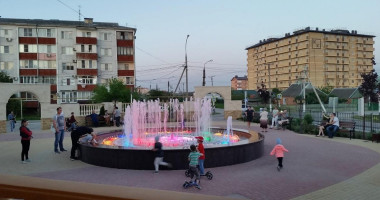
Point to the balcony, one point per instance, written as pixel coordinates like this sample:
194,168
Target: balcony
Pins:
46,41
47,72
125,43
87,72
125,72
87,56
86,40
28,56
27,40
84,87
28,72
128,58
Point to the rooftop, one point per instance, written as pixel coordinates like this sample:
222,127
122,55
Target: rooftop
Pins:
62,23
308,30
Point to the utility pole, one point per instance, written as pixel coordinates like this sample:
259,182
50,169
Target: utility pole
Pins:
187,77
168,87
269,90
212,80
204,73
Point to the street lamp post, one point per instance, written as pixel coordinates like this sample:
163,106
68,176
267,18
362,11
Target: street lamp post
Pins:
204,72
187,77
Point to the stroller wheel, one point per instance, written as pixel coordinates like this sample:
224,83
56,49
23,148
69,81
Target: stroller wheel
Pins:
209,175
187,173
185,185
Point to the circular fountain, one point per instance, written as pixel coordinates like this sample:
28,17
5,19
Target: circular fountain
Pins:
177,124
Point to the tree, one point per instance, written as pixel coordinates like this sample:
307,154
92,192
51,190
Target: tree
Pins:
369,86
326,89
4,78
114,91
263,93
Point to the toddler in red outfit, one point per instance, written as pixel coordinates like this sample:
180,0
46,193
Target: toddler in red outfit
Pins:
278,150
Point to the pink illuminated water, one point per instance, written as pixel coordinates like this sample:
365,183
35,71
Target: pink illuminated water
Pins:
144,120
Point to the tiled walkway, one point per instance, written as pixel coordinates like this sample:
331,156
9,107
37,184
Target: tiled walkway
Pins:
315,168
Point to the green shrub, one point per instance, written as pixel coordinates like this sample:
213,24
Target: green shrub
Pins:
308,119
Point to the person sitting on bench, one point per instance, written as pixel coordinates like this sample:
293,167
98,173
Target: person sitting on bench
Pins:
331,130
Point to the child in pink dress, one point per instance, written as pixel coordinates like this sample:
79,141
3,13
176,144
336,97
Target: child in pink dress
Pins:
279,151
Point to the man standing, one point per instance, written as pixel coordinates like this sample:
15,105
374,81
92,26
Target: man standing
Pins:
249,115
117,116
11,118
331,130
274,117
59,126
75,135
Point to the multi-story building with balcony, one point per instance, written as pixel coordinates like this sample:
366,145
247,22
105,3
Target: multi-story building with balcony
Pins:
239,83
335,58
72,56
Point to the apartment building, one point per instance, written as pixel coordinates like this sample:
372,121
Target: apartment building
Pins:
326,57
72,56
239,83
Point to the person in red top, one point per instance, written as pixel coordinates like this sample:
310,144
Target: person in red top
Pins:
279,151
26,135
202,158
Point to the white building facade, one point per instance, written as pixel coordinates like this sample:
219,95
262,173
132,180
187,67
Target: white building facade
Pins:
72,56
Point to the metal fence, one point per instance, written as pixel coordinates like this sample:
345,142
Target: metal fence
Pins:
368,123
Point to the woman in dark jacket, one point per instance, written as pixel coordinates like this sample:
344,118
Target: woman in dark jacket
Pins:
26,135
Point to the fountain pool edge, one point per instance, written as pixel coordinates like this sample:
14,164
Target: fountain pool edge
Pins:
142,159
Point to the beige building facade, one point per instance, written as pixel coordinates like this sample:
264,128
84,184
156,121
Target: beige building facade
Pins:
328,58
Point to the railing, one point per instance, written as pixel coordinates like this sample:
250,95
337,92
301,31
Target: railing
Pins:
368,123
124,107
86,109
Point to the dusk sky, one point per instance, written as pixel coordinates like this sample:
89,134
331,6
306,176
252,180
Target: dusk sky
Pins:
219,29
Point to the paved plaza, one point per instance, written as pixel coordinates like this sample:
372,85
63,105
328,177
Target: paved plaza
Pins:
314,168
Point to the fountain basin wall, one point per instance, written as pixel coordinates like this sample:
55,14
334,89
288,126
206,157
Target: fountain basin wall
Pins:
142,159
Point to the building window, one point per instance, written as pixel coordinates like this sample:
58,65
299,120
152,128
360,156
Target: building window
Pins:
124,51
83,64
28,64
90,64
87,80
69,97
124,35
5,33
67,50
105,36
28,48
84,95
28,79
106,52
47,79
66,34
4,49
6,65
129,80
82,48
28,32
47,64
67,66
106,67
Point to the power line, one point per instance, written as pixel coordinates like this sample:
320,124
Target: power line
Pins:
152,55
80,14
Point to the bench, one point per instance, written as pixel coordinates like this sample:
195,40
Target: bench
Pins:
286,124
347,127
344,127
101,121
